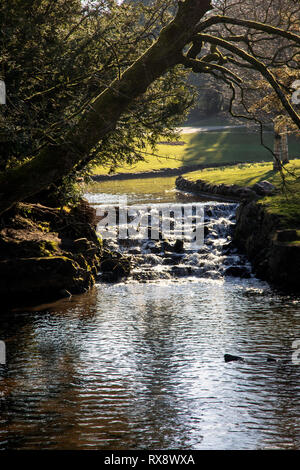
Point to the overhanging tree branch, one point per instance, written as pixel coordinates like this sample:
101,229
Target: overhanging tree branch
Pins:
217,19
259,66
201,66
101,118
103,112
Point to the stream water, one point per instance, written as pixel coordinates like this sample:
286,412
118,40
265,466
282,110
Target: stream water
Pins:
140,364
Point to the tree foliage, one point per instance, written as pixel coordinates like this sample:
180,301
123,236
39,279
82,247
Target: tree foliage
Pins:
57,56
138,94
264,29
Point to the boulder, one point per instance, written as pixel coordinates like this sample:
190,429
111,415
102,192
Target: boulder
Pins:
231,358
237,271
114,266
286,235
264,188
171,260
178,246
166,246
47,253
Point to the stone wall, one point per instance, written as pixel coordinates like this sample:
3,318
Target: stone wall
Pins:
231,192
273,250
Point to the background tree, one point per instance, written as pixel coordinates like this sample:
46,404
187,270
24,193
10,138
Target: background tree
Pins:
197,39
254,98
57,56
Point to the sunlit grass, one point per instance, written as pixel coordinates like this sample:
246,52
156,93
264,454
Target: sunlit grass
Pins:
206,148
286,203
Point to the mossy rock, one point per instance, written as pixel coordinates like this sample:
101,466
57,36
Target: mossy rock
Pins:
47,251
115,266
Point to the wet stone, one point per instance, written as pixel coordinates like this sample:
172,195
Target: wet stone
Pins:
238,271
170,260
176,258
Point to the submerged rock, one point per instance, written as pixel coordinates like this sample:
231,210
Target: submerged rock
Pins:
231,358
237,271
178,246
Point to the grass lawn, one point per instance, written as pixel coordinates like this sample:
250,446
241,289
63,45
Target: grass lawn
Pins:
286,204
207,147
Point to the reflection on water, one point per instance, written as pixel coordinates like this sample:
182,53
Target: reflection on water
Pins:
138,191
141,366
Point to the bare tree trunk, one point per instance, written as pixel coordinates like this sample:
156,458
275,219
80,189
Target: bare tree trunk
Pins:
277,152
281,151
284,147
57,161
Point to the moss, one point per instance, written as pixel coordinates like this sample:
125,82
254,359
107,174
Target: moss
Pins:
25,210
100,240
48,248
20,222
44,226
96,260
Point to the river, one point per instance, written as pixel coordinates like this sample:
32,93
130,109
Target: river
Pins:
140,364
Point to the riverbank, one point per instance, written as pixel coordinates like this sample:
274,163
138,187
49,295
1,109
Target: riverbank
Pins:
163,172
49,253
268,220
271,246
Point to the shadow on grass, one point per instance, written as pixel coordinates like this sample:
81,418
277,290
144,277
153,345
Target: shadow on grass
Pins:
254,179
228,146
216,147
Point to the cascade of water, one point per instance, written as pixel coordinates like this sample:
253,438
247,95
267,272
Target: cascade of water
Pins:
178,255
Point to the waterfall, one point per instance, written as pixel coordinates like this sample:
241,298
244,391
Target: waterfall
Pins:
173,257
